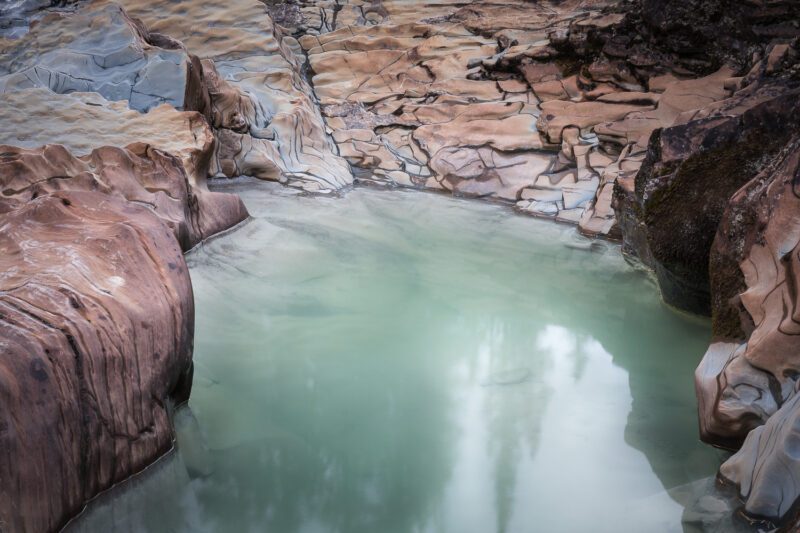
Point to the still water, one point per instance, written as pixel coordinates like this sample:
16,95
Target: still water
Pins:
398,362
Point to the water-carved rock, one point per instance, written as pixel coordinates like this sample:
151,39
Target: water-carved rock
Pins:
96,327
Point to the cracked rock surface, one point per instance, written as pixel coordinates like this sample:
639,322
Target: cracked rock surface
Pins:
672,126
538,107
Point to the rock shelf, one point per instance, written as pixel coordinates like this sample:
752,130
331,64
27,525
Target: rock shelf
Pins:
670,126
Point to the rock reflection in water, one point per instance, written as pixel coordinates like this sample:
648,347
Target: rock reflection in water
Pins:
403,362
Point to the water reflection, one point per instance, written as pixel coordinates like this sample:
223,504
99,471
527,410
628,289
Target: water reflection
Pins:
402,362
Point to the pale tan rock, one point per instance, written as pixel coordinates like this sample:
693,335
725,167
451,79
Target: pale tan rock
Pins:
250,54
599,218
556,116
659,84
687,95
85,121
549,90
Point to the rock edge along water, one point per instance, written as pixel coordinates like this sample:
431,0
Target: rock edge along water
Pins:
97,319
553,111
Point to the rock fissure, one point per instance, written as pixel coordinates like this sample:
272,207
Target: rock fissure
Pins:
642,121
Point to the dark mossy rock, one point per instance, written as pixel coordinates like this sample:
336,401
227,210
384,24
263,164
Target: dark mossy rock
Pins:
684,186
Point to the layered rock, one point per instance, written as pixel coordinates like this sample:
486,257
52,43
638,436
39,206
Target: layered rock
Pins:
747,383
257,102
116,58
637,121
84,121
140,174
96,326
692,168
16,16
543,108
96,319
279,133
406,108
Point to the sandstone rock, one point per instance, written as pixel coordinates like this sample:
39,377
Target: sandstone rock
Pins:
556,116
139,174
751,274
733,396
99,48
411,82
691,170
284,129
767,467
96,326
84,121
17,15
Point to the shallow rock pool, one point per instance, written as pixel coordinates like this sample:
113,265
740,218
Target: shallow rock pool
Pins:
395,361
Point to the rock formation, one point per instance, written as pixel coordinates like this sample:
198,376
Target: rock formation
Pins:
140,174
672,126
747,383
279,133
96,327
96,319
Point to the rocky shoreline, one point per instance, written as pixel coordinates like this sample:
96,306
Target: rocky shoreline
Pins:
673,127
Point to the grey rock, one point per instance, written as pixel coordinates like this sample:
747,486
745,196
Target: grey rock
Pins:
99,49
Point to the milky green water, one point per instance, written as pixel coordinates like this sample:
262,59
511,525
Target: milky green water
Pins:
397,361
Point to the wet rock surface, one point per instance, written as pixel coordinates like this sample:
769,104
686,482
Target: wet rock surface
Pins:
96,329
96,319
747,382
670,126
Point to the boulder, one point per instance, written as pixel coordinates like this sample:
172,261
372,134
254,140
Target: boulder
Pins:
96,329
689,174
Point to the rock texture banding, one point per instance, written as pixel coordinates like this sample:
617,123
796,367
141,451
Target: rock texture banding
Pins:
96,319
672,126
96,328
121,59
279,132
747,383
140,174
691,170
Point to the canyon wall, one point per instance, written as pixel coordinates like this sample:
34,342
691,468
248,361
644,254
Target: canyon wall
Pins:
671,126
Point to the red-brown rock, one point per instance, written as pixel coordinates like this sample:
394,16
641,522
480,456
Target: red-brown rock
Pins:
140,174
96,327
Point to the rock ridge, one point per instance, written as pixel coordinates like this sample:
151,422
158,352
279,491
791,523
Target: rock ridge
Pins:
670,126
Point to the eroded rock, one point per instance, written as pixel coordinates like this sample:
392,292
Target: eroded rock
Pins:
278,134
140,174
691,170
99,48
96,328
83,122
